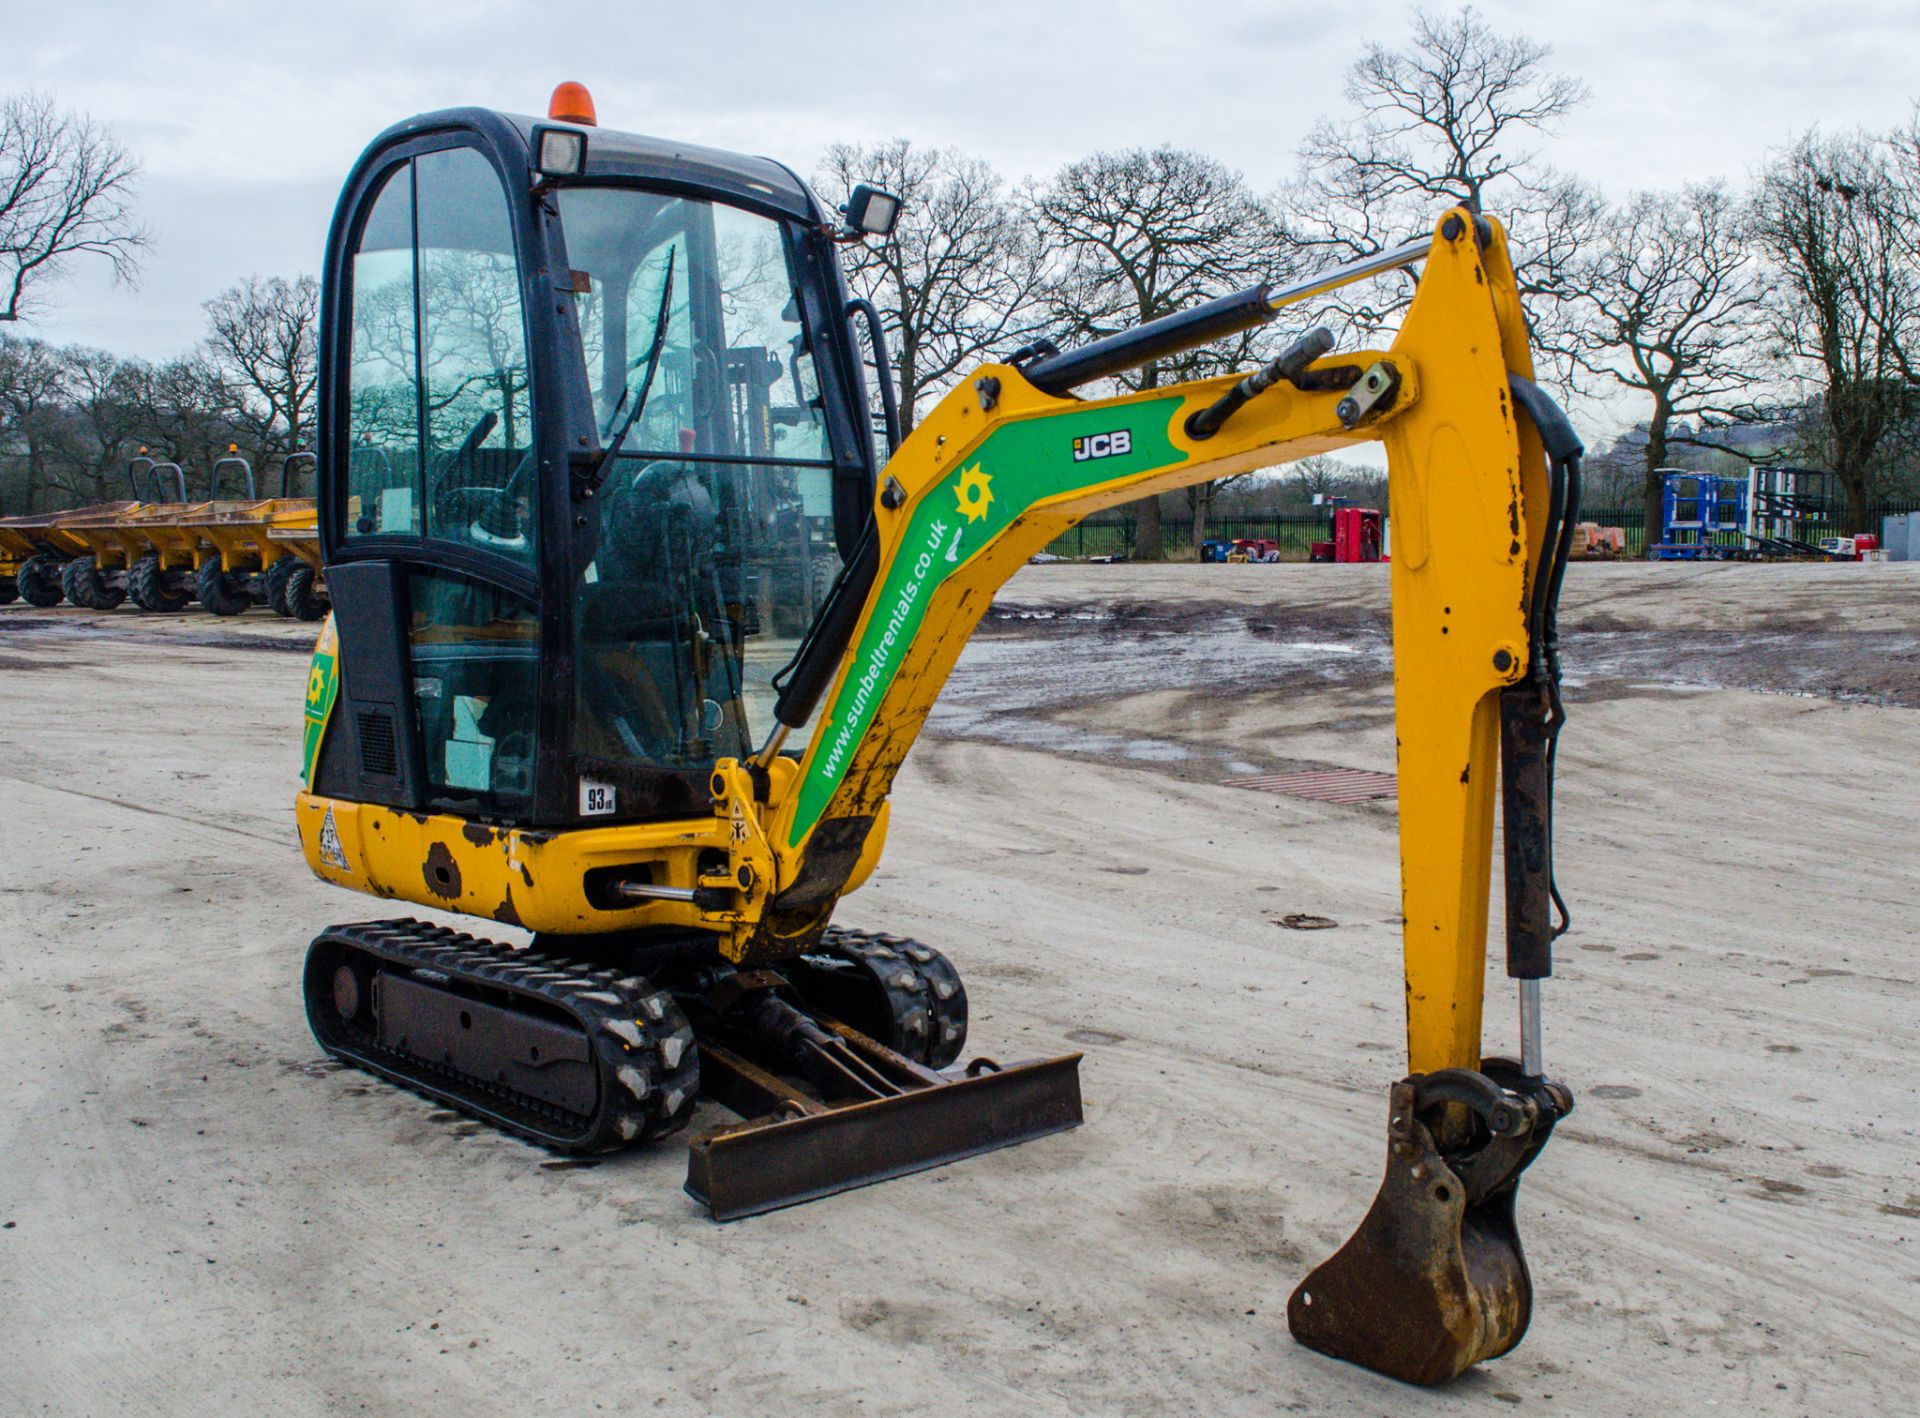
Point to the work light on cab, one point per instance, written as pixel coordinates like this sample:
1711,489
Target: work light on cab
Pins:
870,212
560,152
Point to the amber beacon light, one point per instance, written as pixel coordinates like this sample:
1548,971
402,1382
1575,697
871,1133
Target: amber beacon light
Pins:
571,103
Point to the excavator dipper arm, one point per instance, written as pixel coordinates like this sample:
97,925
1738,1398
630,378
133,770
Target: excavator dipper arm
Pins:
1434,1280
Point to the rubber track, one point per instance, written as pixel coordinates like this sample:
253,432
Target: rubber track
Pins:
641,1044
919,983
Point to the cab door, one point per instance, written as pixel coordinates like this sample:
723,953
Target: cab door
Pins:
431,488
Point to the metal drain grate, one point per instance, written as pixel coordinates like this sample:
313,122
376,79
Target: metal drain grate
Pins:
1325,785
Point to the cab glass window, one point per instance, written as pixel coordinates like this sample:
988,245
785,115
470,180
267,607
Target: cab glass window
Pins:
383,414
440,426
476,430
716,543
476,685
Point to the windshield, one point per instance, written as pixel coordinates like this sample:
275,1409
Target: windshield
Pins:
734,373
716,537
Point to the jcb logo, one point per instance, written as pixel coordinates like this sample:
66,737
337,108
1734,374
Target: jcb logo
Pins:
1103,445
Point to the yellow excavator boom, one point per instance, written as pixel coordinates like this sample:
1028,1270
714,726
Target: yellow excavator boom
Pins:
998,470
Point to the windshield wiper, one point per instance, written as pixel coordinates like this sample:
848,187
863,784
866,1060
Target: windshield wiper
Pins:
653,365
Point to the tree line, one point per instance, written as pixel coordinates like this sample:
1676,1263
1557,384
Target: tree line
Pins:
1776,316
73,418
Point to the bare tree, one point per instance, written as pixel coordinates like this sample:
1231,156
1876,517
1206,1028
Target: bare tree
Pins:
1829,214
1900,203
1140,234
261,334
1333,480
100,430
66,190
1436,124
1675,304
956,281
70,418
188,411
33,393
1613,474
63,433
1313,480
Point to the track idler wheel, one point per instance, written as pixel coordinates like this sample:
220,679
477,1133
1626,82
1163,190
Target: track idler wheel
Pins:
1434,1280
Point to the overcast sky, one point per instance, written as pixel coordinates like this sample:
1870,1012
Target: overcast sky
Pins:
247,115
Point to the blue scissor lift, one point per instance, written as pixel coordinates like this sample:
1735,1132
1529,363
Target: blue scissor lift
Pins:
1703,516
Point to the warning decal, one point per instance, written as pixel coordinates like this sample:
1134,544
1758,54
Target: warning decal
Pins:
331,852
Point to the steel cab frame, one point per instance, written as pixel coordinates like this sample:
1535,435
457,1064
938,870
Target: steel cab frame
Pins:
368,571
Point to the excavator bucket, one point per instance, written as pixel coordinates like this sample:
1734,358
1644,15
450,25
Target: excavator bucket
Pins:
1434,1281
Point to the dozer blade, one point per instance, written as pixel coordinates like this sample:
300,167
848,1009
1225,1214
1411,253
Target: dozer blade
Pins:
819,1149
1434,1281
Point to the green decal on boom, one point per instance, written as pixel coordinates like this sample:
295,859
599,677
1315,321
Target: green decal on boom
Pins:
1017,466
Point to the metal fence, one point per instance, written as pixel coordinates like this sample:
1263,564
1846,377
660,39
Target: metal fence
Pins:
1633,523
1113,533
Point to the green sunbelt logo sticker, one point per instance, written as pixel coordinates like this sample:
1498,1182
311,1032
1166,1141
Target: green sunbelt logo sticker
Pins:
1017,466
323,682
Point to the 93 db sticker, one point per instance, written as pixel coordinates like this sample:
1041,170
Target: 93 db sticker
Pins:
597,799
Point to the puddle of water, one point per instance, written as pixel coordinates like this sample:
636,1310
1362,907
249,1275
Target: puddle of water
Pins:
133,628
1007,688
1001,614
1018,730
1323,647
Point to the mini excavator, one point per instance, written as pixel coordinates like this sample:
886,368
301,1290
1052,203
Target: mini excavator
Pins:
633,626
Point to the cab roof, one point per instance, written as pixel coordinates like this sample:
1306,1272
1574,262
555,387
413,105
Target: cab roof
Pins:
612,154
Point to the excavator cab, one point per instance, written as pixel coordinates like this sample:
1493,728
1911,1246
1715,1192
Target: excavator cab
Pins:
633,628
599,441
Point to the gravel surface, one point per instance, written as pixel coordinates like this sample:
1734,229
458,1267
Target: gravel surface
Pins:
199,1213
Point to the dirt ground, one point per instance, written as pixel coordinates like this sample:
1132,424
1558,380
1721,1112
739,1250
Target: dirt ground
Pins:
198,1213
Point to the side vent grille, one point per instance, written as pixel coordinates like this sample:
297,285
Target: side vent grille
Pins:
379,756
